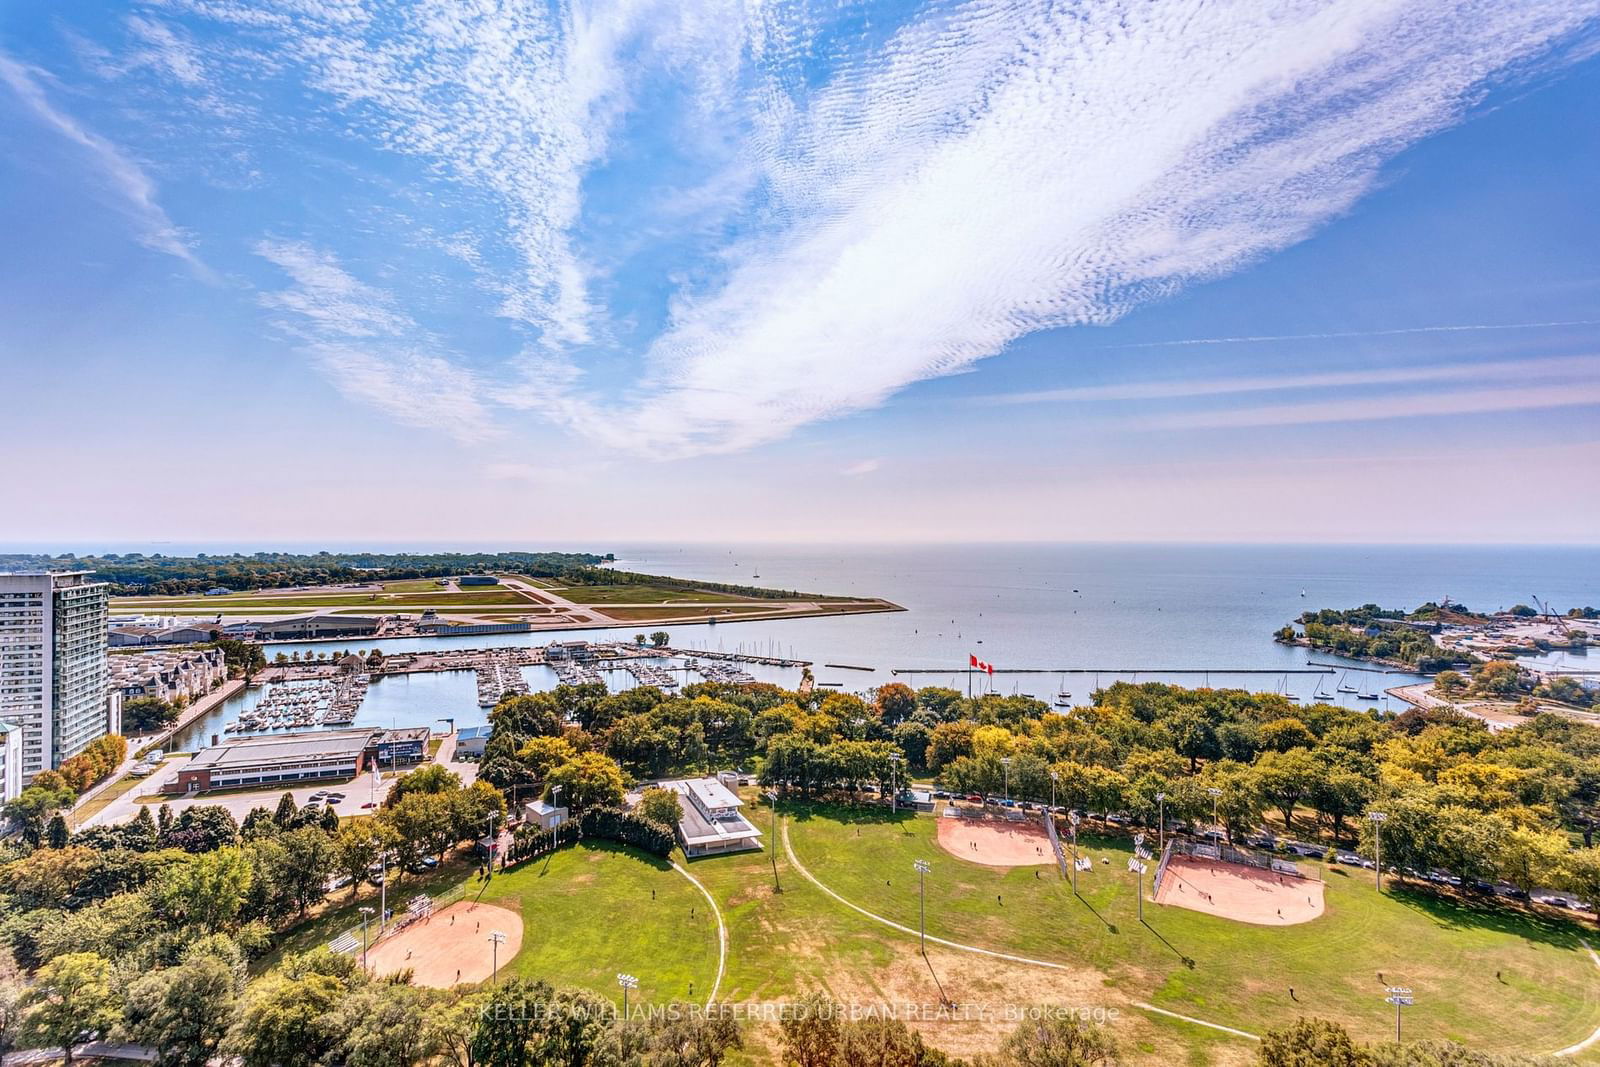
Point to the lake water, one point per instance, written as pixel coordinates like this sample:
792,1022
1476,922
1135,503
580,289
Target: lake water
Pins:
1134,612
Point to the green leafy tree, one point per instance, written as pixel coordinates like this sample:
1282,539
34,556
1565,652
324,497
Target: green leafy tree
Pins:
70,996
589,780
183,1012
1311,1043
1054,1042
385,1025
811,1031
660,638
662,805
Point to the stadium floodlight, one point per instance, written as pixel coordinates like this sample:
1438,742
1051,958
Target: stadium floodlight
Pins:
894,787
493,844
922,869
1400,997
1161,819
1138,869
496,939
1216,795
1005,769
627,982
1377,818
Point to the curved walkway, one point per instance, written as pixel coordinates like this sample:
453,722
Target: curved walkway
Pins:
1573,1050
808,876
722,932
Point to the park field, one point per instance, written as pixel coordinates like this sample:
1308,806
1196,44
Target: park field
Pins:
1490,979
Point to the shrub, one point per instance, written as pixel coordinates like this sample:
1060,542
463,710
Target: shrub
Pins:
614,824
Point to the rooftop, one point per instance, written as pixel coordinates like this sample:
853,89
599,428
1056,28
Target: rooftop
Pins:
330,744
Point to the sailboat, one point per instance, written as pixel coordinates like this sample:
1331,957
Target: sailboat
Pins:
1322,694
1344,686
1368,694
1286,694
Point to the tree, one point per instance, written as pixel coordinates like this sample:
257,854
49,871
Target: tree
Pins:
288,812
894,702
295,866
206,891
431,778
71,996
1284,778
143,715
183,1012
662,805
590,780
287,1020
202,828
56,835
660,638
876,1041
1311,1043
1500,678
684,1035
385,1025
1449,684
1053,1041
810,1030
356,848
33,807
243,658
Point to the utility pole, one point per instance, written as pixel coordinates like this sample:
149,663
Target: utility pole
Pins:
1005,769
894,788
1161,820
492,843
922,869
1215,795
1138,869
1072,820
496,939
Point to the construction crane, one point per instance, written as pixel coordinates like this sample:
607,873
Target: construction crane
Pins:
1551,617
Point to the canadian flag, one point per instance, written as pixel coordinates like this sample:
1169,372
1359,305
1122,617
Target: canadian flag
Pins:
980,665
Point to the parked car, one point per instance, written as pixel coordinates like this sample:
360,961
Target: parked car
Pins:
1557,902
940,794
973,798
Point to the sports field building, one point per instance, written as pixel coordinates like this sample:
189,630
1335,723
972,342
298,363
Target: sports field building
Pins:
712,821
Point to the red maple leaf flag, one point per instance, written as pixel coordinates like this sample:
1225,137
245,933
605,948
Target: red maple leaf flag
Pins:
979,664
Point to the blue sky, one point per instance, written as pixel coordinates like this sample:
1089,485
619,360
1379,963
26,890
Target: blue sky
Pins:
812,271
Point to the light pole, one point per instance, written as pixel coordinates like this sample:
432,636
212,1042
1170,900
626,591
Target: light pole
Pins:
1378,818
496,939
1072,821
1005,770
366,913
493,815
894,788
922,869
627,982
1053,777
1215,794
383,892
1161,820
1400,997
1137,867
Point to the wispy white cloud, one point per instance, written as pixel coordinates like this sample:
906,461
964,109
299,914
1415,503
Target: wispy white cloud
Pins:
866,466
1348,334
999,169
136,192
1581,367
1372,409
371,351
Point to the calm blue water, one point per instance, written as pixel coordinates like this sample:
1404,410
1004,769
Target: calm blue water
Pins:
1119,609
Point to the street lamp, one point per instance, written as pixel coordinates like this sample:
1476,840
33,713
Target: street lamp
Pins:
627,982
1377,818
1400,997
1072,821
922,869
1137,867
894,788
1005,769
493,815
1161,820
366,913
1215,794
1053,777
496,939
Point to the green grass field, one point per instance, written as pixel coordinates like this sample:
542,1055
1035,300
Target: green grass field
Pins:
1547,995
640,594
314,601
588,913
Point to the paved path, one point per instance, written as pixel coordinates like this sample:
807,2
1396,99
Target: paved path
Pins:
104,1049
722,933
1197,1022
1573,1050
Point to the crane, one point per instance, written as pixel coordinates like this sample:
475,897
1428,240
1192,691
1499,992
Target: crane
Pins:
1550,616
